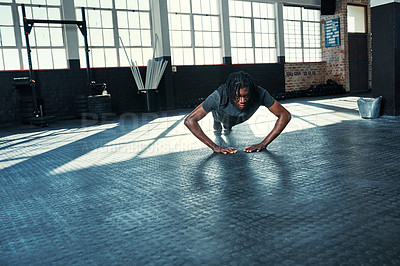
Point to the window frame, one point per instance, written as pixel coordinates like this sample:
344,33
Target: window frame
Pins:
192,49
303,48
36,49
14,47
52,49
252,50
145,52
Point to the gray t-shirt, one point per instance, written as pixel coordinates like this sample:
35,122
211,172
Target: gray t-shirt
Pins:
228,113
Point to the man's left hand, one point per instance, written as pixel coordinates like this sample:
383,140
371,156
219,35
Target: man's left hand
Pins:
256,147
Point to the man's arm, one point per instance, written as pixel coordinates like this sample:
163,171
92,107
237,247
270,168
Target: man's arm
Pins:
192,123
283,119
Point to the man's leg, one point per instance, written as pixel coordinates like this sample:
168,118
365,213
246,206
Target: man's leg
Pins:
217,123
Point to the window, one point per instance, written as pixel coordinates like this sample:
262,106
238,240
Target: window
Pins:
356,19
195,33
302,34
135,30
46,40
9,55
252,32
132,19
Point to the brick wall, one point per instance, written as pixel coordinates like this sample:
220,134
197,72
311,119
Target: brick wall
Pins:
299,76
335,63
337,58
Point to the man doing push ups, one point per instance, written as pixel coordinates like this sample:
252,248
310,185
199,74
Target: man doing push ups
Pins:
233,103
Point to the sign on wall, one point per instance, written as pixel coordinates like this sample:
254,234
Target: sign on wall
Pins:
332,32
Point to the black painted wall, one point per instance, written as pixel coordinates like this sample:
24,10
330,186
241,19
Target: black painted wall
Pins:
385,26
191,82
58,88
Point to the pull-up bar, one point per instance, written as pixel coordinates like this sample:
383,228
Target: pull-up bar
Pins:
30,22
28,25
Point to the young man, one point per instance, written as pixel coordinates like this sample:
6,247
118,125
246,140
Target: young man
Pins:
233,103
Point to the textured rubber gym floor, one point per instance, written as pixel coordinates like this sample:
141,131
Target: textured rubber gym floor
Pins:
140,189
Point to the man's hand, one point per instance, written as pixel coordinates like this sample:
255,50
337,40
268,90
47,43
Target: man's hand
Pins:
283,119
256,147
224,150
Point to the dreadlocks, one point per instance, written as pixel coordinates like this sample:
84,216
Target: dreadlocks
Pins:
237,81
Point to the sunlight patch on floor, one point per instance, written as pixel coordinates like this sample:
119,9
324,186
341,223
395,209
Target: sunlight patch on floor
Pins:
138,142
17,148
305,116
168,134
349,102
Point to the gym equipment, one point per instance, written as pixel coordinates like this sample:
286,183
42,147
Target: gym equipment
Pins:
81,105
154,73
21,83
329,88
26,110
39,118
99,106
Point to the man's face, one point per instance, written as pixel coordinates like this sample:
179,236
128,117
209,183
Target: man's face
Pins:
242,98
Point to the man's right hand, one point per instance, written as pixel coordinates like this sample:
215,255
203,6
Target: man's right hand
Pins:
192,123
224,150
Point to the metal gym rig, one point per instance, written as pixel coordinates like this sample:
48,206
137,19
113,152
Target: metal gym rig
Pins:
38,115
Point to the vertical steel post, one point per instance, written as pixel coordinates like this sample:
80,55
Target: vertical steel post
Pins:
84,33
28,49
